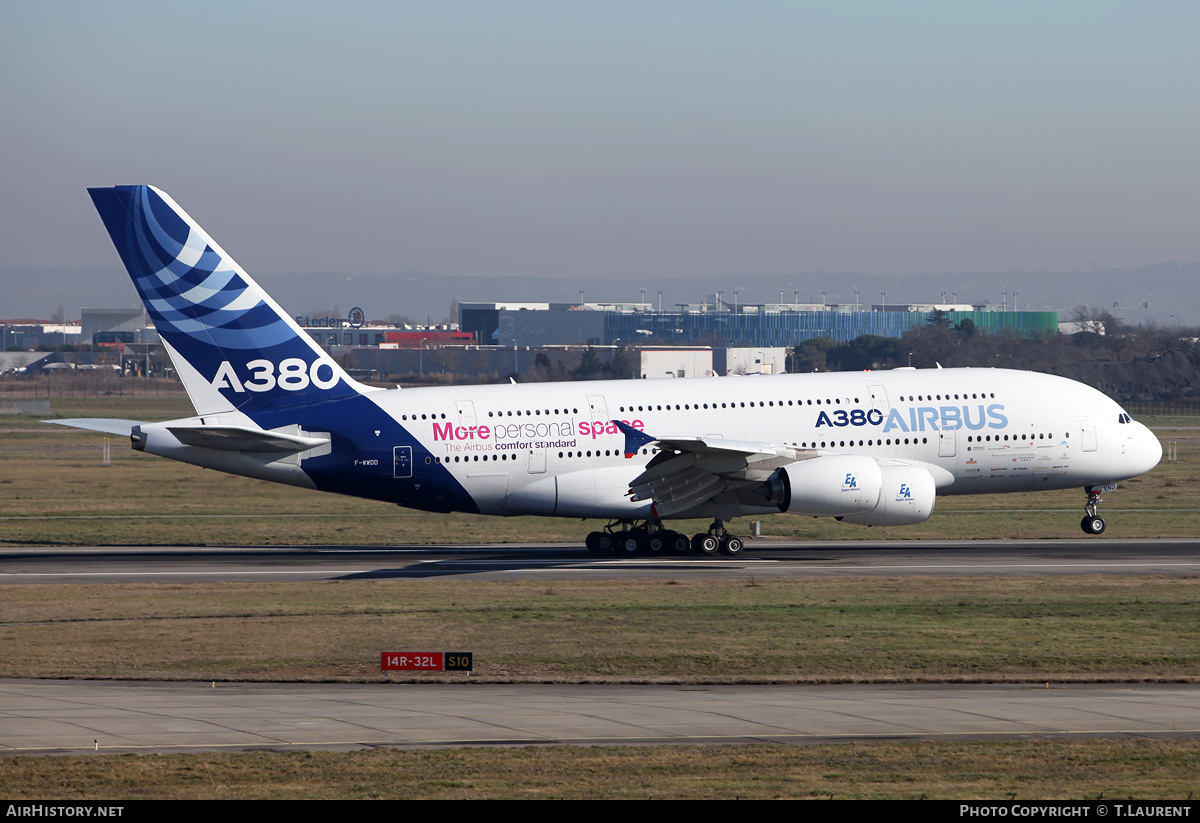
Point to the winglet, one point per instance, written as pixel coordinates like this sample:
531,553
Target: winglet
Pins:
634,439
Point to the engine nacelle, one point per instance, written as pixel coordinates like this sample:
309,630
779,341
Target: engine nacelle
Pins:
833,486
907,497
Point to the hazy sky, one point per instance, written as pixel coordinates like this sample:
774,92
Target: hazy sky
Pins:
644,139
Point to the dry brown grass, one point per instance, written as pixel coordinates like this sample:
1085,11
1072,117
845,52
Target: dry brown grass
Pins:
979,629
1006,771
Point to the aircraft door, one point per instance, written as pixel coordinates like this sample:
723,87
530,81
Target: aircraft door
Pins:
1087,430
402,461
947,442
598,408
466,412
537,461
879,400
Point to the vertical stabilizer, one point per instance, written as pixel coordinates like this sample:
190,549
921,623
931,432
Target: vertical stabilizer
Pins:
231,344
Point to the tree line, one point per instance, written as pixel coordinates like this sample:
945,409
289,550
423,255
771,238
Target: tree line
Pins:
1125,362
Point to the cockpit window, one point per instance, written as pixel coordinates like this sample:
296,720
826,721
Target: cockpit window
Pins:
1124,418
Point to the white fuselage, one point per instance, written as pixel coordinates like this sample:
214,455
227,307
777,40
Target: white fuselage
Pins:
549,448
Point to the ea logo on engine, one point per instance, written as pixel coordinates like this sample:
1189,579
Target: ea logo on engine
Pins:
905,491
851,482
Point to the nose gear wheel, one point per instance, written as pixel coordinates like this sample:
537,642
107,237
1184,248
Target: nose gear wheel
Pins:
1092,522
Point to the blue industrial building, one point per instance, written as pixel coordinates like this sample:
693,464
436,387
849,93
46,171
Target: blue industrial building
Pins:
717,324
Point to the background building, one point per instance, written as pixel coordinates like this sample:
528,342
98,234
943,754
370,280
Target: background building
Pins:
720,324
130,325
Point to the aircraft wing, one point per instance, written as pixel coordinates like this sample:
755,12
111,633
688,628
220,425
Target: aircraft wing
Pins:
689,471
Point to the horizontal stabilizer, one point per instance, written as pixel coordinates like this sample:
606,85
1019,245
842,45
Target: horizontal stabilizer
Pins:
100,424
243,439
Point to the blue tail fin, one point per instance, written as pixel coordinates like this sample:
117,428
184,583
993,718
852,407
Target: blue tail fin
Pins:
232,345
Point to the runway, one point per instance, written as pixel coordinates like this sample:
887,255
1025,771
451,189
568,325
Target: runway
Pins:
107,564
46,717
61,717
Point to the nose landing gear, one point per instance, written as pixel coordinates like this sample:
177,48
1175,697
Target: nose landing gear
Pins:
1092,522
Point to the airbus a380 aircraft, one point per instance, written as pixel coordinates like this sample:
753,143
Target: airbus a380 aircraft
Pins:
864,447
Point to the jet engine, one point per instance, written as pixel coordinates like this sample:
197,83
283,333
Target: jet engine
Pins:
826,486
908,497
854,489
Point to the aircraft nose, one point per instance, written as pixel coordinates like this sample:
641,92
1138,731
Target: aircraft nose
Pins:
1149,450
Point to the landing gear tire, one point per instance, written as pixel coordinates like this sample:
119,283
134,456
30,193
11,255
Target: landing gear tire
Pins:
658,543
706,544
678,543
731,545
605,542
1092,525
593,543
630,544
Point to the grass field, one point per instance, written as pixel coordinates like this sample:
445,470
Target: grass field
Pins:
802,630
1006,771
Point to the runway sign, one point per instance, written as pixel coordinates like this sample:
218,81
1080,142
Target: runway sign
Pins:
427,661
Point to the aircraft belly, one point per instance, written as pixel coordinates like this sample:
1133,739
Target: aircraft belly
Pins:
598,493
489,491
585,493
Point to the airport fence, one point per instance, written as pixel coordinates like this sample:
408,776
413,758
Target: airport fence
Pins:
85,384
1163,408
82,385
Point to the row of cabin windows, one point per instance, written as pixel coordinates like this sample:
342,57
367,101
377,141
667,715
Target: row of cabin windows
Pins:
988,438
607,453
842,443
741,404
528,413
475,458
828,402
925,398
804,445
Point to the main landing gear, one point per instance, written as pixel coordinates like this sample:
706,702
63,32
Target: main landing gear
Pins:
717,540
625,538
1092,522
